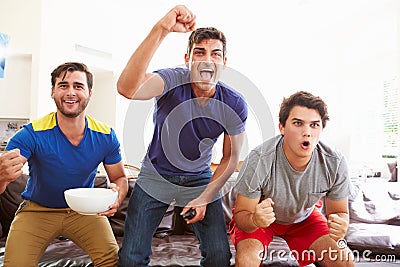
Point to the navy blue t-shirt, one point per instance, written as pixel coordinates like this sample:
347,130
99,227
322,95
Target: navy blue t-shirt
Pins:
184,132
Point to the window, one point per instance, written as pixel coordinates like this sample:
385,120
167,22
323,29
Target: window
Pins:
391,110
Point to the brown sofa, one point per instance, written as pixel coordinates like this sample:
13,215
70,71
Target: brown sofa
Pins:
175,245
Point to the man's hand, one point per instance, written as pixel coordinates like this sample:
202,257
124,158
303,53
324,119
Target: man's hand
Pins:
264,214
11,163
179,19
337,226
198,205
113,208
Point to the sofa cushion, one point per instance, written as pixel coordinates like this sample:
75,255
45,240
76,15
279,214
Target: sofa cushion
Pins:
101,181
10,200
377,238
375,217
375,202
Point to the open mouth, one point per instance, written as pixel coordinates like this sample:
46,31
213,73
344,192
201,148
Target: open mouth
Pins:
206,74
305,144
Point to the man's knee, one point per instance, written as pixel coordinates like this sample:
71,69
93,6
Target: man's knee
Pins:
12,256
217,257
17,245
249,252
20,262
343,258
106,258
328,253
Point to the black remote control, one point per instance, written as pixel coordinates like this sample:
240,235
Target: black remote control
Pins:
189,214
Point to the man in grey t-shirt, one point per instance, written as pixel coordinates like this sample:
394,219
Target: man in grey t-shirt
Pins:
281,185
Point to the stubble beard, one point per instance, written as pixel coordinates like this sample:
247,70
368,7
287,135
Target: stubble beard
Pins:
81,108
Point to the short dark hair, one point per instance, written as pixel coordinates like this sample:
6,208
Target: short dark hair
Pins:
71,67
200,34
303,99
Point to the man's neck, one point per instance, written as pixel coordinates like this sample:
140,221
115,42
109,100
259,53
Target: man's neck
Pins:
72,128
199,93
298,163
203,96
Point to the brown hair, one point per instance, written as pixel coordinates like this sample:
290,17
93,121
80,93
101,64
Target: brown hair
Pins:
206,33
303,99
71,67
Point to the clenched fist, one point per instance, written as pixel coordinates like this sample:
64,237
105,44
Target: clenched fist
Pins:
337,226
11,163
264,214
178,19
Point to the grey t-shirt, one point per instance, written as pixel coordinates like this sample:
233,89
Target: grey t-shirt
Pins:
266,173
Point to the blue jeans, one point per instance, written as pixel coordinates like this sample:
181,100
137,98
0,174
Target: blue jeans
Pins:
145,213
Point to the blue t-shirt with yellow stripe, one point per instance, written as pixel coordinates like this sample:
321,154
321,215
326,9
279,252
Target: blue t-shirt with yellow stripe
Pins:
55,164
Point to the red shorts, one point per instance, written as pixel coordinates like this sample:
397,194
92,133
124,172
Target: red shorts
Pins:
298,236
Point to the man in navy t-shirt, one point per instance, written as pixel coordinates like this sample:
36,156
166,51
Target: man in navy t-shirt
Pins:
192,109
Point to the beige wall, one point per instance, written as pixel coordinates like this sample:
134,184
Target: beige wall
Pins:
44,34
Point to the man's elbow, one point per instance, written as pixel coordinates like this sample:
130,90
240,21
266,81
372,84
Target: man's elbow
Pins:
124,91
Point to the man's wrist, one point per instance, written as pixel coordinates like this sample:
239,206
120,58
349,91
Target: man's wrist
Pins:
254,221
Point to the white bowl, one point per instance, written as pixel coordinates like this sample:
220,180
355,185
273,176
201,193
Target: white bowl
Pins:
90,201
